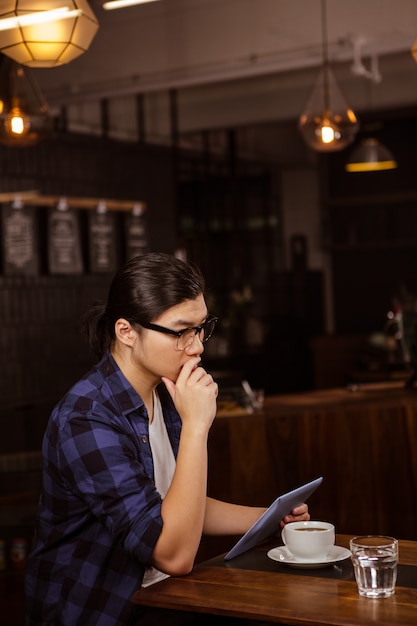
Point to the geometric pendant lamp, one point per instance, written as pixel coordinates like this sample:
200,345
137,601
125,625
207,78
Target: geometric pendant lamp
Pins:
46,33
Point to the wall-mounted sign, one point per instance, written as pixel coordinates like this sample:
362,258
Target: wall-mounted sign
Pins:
102,242
20,241
64,242
136,233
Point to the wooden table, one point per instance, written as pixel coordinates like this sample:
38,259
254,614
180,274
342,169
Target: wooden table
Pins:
253,587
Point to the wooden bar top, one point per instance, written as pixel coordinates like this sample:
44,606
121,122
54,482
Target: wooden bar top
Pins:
391,392
262,589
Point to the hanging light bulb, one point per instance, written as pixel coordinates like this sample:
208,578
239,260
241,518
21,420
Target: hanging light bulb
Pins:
24,114
327,123
17,123
46,33
327,131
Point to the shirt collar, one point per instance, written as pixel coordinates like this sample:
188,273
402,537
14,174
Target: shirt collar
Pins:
120,388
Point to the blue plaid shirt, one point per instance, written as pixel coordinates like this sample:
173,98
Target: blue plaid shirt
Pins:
99,513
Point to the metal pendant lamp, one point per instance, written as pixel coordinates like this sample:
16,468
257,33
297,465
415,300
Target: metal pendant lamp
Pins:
370,156
327,123
46,33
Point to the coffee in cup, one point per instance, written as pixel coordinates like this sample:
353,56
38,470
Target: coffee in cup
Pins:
309,541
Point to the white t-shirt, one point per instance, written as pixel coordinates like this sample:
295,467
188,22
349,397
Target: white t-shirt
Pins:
164,467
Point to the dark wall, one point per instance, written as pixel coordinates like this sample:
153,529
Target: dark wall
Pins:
42,350
370,227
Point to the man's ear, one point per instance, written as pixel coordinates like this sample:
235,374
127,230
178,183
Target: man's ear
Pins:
124,331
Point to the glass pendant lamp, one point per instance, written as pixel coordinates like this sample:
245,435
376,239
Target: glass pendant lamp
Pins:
24,113
327,123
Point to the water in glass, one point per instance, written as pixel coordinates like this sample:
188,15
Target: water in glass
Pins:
375,575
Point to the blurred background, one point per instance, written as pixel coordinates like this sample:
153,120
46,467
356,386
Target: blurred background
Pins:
190,127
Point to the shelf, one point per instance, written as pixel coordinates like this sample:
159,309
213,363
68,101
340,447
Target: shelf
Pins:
35,199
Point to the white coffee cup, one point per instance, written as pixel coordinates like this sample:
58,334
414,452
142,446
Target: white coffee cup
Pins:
309,541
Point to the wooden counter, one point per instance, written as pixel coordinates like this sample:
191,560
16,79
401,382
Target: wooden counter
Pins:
363,442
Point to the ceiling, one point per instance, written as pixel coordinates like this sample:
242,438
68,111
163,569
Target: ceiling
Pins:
239,61
193,42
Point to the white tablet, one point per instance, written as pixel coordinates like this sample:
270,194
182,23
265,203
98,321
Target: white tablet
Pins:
269,522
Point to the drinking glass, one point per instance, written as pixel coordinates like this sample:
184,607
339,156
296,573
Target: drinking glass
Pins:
375,559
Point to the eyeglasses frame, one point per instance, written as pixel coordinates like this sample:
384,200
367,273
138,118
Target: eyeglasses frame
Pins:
179,333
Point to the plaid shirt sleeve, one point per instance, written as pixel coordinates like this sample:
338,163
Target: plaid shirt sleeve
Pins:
102,469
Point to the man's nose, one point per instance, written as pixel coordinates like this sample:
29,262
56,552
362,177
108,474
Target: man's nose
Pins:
196,346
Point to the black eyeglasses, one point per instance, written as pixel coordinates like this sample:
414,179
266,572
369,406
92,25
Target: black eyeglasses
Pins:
186,337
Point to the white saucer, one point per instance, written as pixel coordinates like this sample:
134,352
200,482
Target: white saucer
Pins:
282,555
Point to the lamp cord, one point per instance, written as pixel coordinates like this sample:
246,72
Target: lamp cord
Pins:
325,56
43,105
